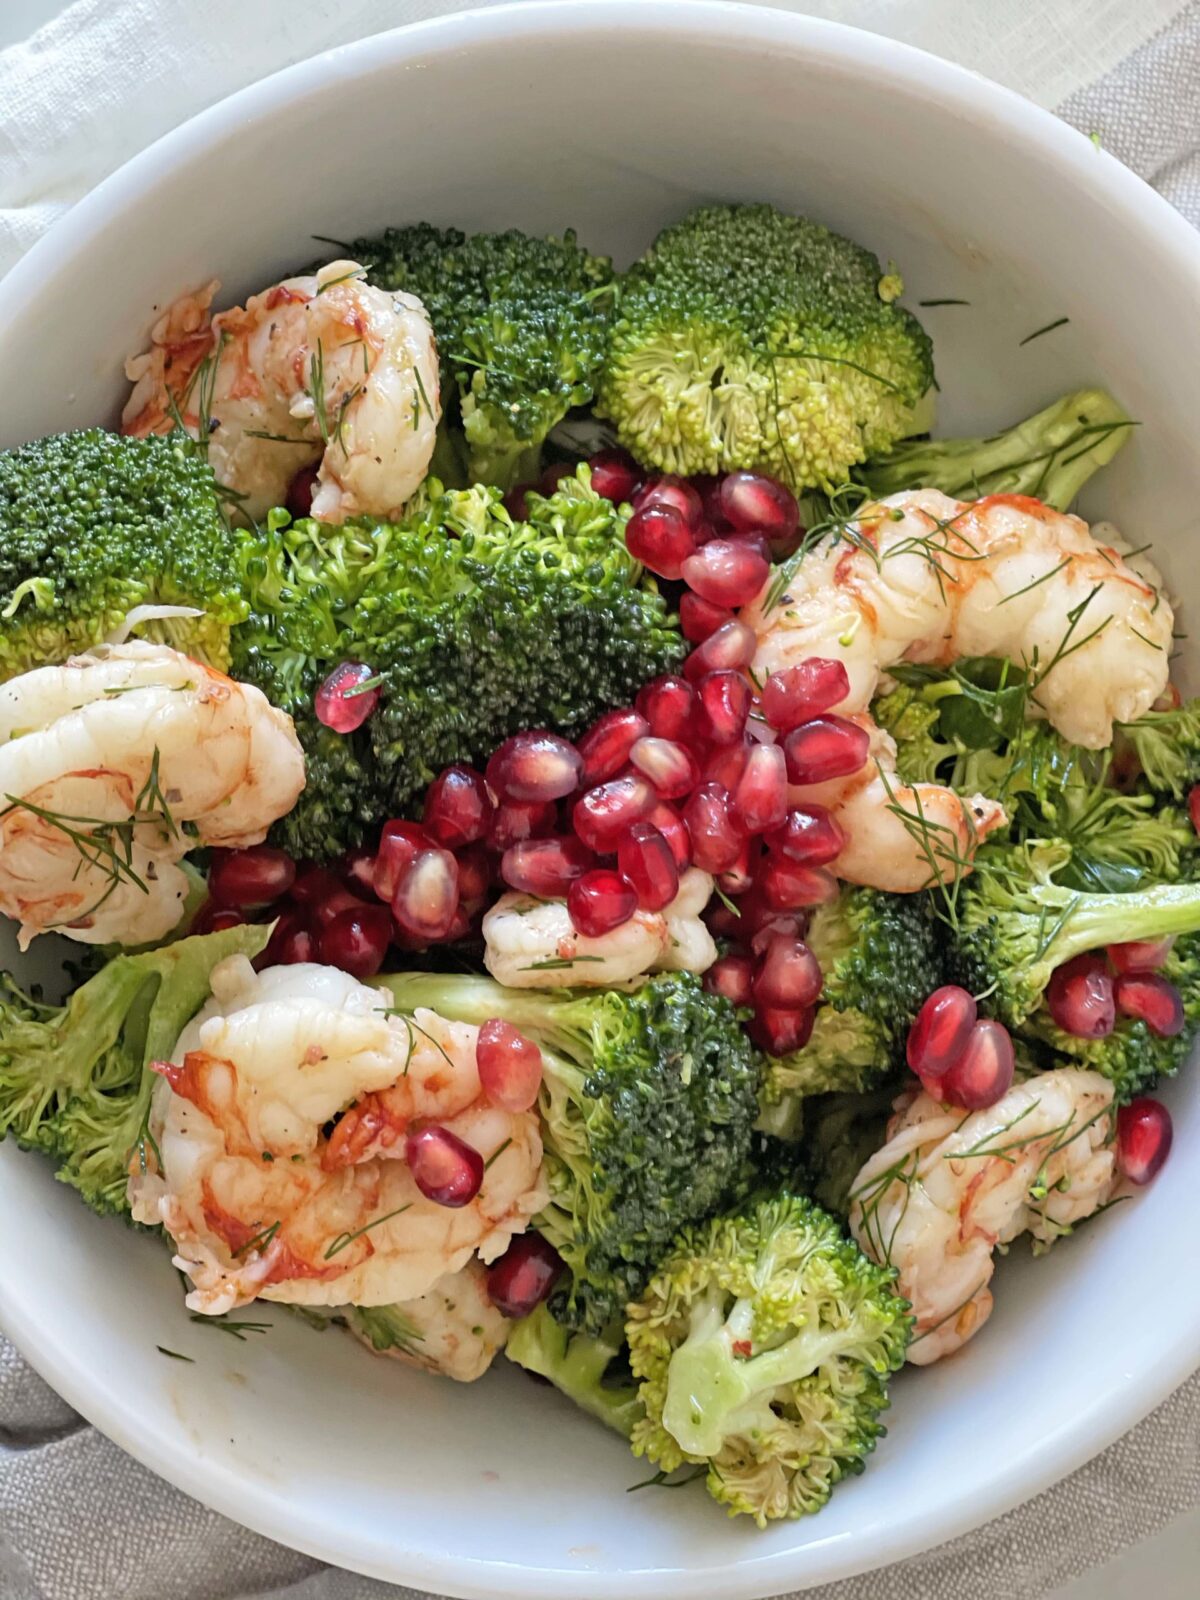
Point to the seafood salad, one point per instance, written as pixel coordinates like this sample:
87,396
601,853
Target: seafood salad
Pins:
604,841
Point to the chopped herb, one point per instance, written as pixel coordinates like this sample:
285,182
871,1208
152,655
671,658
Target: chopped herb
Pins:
343,1239
1061,322
946,302
174,1354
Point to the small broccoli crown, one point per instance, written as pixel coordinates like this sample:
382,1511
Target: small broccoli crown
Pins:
840,1132
93,524
590,1369
746,337
1167,747
763,1346
911,717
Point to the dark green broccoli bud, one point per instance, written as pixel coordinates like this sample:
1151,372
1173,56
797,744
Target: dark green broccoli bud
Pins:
589,1368
93,524
74,1079
840,1132
647,1105
1166,746
763,1345
749,338
520,325
1050,455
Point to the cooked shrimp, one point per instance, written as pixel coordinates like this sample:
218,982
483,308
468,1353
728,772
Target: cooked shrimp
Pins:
261,1201
117,764
453,1329
928,578
532,944
950,1186
317,369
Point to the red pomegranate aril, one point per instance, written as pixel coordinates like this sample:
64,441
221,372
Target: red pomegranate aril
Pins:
939,1035
399,844
725,572
313,883
730,649
474,877
516,501
615,475
675,493
250,879
647,860
458,807
524,1275
212,918
534,766
357,940
725,763
1144,1134
509,1066
545,867
732,977
699,618
553,475
796,694
601,815
722,922
808,834
790,886
760,796
714,831
322,912
781,1029
605,747
1194,807
983,1072
426,896
291,941
660,538
771,925
600,901
1152,1000
789,975
357,868
1080,997
671,825
738,877
825,747
725,700
444,1169
1140,955
343,703
300,493
753,542
709,490
668,704
752,502
511,823
670,767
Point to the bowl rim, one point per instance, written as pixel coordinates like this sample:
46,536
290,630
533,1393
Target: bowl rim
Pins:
1073,157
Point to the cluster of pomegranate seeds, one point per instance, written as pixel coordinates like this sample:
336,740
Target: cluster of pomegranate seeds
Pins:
1144,1135
1086,996
960,1057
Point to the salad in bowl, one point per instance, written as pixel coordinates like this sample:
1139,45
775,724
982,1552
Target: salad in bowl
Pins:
587,834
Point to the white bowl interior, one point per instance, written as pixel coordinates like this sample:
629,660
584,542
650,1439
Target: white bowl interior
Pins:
615,120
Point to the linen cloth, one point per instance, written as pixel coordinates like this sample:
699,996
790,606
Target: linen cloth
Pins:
79,1520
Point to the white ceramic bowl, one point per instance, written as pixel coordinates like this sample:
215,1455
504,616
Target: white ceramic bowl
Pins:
615,118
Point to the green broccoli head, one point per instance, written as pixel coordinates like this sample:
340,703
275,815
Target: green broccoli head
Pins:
93,524
1166,748
1050,455
763,1346
520,324
840,1132
746,337
589,1368
648,1102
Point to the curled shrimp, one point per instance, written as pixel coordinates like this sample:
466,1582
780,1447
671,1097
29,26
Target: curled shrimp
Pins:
262,1201
114,766
452,1329
533,944
322,369
949,1187
922,577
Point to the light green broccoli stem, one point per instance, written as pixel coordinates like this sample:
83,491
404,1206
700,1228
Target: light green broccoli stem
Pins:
576,1365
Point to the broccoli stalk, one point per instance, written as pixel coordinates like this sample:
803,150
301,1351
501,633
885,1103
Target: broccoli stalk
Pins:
584,1366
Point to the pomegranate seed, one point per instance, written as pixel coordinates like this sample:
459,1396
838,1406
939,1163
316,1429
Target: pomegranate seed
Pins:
781,1029
725,699
399,844
357,868
605,747
714,831
342,702
709,490
426,896
670,767
600,901
826,747
322,912
444,1169
474,877
1144,1135
760,796
615,475
983,1072
603,814
250,879
798,693
291,941
300,493
1151,1000
675,493
511,823
647,860
753,502
667,703
722,922
212,918
516,501
509,1065
670,824
726,573
545,867
738,877
809,834
780,925
553,476
730,649
1194,807
534,766
524,1275
1080,997
699,618
1140,955
458,807
790,886
789,975
725,764
356,941
939,1035
732,977
752,542
659,537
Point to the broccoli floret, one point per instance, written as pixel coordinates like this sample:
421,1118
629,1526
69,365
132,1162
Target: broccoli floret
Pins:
647,1105
763,1345
1050,455
589,1368
1166,745
92,525
746,337
520,326
476,626
73,1078
840,1132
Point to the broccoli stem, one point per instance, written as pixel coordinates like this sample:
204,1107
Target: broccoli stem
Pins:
1088,921
576,1365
